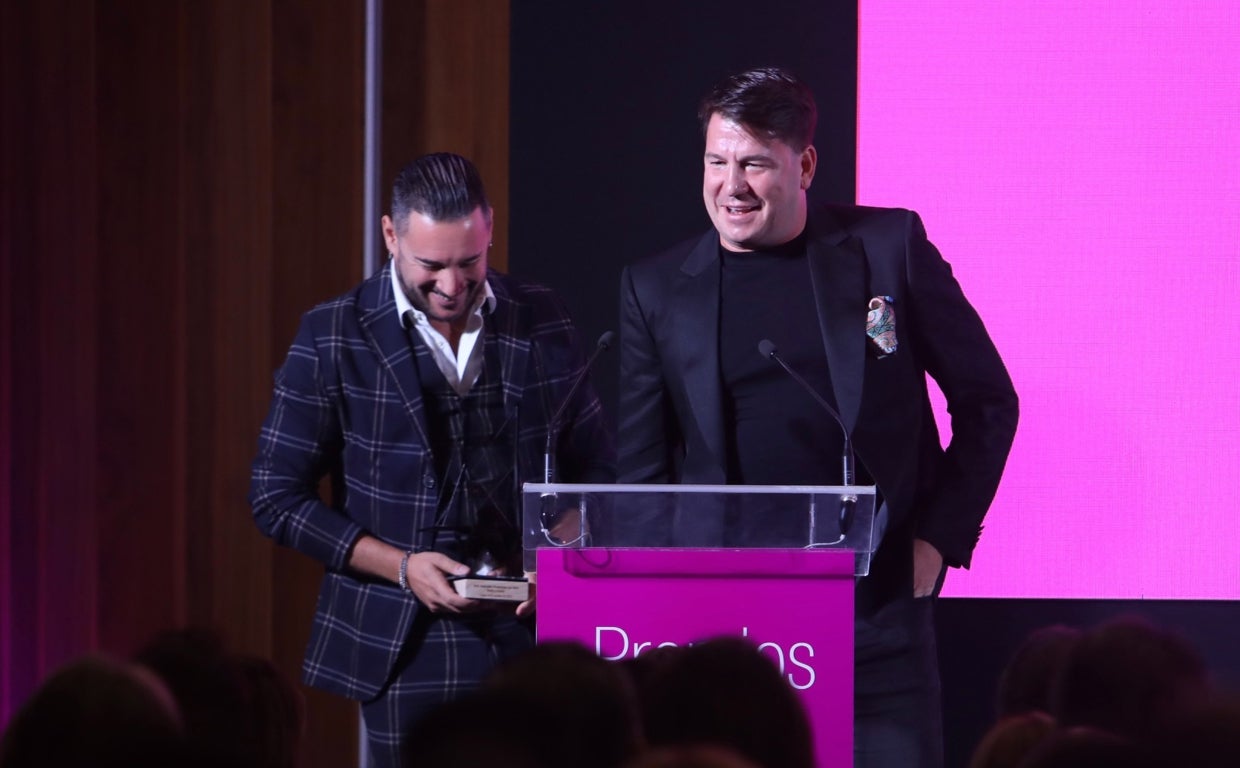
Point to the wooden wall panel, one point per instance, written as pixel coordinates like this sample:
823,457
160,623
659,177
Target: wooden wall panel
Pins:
17,673
140,324
9,246
227,215
316,253
49,164
180,182
445,89
66,352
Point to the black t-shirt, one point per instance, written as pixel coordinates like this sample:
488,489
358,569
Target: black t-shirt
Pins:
777,433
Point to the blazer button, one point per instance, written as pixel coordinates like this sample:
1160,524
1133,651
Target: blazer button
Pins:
428,480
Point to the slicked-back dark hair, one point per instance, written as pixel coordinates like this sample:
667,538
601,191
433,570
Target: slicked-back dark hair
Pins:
769,102
443,186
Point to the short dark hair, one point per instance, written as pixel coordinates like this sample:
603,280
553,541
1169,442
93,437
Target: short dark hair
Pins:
443,186
767,101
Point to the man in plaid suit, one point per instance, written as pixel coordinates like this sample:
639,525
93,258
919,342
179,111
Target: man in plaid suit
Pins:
427,394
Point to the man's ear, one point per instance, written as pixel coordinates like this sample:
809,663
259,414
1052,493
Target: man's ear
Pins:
388,228
809,164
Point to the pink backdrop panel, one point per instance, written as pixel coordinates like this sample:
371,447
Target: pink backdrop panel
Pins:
796,605
1078,163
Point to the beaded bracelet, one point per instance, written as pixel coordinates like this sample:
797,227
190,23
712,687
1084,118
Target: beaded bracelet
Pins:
403,576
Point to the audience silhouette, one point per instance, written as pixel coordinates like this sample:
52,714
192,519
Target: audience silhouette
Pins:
1127,677
552,706
96,711
1029,681
239,710
1084,747
723,692
1124,694
690,757
1012,739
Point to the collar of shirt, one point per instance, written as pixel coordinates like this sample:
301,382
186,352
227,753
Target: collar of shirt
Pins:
460,368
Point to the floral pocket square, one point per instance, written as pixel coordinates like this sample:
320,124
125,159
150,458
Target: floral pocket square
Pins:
880,325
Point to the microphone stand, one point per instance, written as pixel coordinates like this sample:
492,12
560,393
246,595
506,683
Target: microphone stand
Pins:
549,514
848,501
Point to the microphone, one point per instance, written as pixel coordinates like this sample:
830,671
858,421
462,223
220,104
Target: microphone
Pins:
550,514
604,342
848,502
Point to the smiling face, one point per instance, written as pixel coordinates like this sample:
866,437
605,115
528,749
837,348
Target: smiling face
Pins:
442,265
754,189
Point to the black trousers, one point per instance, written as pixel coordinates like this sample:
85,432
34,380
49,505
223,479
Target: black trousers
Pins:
898,706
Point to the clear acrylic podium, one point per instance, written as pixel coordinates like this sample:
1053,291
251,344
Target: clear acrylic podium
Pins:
623,569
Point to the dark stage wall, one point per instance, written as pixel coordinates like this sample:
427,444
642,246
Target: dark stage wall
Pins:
605,145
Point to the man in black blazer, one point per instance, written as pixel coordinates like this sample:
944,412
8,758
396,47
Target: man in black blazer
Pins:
860,303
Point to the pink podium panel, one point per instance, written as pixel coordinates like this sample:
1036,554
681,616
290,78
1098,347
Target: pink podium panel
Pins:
796,605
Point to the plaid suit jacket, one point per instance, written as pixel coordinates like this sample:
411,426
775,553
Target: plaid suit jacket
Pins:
347,402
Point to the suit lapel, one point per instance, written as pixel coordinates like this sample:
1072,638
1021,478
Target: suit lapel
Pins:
390,342
511,321
837,270
698,336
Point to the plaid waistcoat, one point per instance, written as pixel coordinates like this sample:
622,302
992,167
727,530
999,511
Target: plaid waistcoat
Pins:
473,445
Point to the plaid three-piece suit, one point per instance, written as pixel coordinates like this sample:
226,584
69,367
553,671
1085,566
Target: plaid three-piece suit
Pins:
348,402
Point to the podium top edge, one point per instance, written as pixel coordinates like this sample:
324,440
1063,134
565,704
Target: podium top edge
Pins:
825,490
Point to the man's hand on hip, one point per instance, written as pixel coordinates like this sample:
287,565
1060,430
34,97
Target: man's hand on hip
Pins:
927,564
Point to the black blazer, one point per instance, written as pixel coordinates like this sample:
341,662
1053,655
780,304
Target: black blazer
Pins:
671,413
